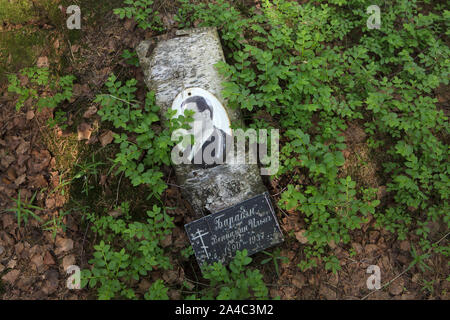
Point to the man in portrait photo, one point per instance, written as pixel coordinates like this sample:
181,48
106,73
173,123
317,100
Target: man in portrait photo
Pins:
209,148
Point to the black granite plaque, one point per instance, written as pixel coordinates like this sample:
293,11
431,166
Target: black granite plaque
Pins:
250,225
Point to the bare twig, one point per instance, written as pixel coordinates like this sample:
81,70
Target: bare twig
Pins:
118,188
127,102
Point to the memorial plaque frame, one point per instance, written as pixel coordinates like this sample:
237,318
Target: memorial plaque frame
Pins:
251,224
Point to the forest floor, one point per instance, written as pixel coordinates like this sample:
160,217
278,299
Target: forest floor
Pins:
33,261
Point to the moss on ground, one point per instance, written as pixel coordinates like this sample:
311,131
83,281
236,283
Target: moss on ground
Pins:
19,49
23,11
16,11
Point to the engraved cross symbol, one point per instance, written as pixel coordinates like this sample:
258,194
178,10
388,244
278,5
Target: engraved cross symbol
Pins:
199,235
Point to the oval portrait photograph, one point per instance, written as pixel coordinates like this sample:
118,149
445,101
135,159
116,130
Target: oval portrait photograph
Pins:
211,127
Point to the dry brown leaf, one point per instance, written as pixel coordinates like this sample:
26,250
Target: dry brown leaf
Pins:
115,213
25,283
167,241
357,247
60,200
396,287
300,236
103,178
52,283
11,173
11,276
19,247
144,285
7,160
38,261
106,138
23,147
174,294
75,48
48,259
50,203
23,80
77,90
68,261
39,161
327,292
180,238
38,181
7,220
12,264
42,62
21,159
370,248
20,179
405,246
63,245
299,281
130,24
170,276
90,112
92,140
84,131
112,45
30,115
